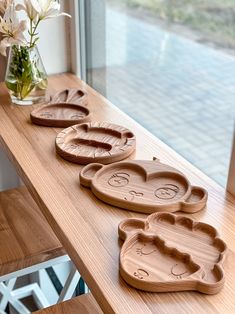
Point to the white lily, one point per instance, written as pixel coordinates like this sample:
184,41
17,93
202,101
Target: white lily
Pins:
47,8
4,4
11,29
29,9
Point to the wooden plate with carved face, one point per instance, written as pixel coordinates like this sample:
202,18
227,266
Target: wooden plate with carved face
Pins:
95,142
63,109
166,253
143,186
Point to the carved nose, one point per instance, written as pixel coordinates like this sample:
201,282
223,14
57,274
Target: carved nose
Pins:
133,195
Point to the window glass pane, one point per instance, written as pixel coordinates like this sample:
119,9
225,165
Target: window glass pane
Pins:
170,65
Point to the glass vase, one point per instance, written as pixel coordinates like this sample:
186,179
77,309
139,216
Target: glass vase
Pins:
26,78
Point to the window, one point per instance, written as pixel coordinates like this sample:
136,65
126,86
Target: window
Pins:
170,65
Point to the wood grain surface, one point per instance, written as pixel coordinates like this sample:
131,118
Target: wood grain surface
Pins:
84,304
166,253
26,238
95,142
143,186
65,108
88,228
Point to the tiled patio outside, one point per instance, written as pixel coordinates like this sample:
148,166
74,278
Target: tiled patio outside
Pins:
181,91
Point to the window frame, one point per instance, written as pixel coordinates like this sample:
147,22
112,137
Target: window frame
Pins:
231,173
78,44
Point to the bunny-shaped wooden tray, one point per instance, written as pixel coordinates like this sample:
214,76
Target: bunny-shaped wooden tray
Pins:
63,109
95,142
166,253
143,186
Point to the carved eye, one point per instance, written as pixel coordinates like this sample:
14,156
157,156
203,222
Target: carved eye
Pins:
167,191
119,179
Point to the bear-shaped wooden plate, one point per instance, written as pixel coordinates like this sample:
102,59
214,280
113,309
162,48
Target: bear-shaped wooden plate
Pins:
143,186
167,253
95,142
63,109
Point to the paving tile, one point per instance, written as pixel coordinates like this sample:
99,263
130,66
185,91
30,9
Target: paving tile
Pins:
184,93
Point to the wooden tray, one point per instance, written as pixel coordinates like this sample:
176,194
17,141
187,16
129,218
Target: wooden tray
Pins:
95,142
143,186
63,109
166,253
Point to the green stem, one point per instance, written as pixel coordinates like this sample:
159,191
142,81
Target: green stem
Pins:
33,32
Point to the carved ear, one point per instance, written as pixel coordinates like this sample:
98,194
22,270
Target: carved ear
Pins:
130,226
196,201
211,281
88,172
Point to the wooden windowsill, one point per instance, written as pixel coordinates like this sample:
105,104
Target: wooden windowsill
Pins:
86,227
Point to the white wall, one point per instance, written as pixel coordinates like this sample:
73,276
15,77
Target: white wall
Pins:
54,44
54,47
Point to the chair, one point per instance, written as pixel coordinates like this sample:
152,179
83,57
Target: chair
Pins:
27,245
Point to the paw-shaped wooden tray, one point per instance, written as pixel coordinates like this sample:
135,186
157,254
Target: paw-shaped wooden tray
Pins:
95,142
63,109
143,186
166,253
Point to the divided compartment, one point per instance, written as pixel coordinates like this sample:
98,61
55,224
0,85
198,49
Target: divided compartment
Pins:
63,109
145,186
166,253
95,142
195,199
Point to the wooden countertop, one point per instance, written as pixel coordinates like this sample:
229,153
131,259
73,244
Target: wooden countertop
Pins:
87,227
